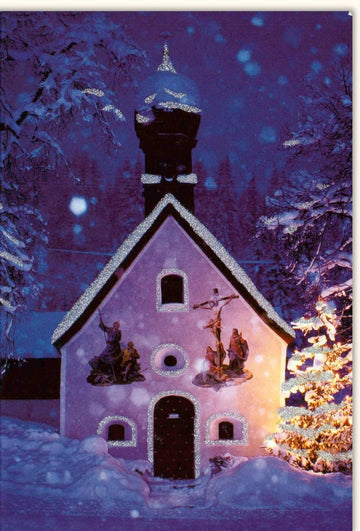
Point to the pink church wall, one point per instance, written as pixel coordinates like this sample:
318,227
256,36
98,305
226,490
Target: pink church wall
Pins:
133,302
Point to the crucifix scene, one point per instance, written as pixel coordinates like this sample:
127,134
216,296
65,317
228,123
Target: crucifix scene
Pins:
115,365
220,366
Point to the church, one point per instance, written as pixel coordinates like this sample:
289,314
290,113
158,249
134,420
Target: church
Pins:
172,355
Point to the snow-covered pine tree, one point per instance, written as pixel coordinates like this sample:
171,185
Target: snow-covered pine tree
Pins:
62,75
226,205
22,233
310,216
318,436
205,195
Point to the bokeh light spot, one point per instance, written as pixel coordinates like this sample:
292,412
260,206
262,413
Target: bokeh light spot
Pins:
282,80
341,49
267,135
258,21
210,183
252,69
78,205
77,229
243,56
316,66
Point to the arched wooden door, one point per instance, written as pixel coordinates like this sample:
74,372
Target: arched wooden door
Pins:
174,438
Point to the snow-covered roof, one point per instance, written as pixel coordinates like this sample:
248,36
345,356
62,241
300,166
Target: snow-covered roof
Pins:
169,205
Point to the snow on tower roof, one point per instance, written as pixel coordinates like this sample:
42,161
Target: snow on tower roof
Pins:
131,247
166,89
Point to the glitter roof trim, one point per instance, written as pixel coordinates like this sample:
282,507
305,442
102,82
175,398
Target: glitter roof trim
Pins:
132,240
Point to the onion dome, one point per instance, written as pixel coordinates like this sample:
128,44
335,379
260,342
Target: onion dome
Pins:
168,90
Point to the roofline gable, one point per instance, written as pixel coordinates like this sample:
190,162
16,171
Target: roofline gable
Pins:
132,246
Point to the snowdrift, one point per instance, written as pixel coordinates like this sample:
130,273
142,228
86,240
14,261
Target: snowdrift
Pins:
37,461
40,465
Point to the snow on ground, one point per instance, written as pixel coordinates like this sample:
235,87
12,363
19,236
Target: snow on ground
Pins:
52,482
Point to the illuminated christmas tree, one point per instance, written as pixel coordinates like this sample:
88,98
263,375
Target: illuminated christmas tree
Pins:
318,436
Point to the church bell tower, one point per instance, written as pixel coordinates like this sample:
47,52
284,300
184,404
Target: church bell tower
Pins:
167,119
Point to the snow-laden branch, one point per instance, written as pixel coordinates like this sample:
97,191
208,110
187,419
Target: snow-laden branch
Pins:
339,289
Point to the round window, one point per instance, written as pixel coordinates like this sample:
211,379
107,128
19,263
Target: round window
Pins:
169,360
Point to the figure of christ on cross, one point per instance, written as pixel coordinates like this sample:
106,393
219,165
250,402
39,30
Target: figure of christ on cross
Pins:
216,305
215,300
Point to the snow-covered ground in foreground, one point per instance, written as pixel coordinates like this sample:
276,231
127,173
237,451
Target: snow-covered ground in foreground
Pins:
52,482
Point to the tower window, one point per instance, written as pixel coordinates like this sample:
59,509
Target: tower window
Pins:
172,289
226,430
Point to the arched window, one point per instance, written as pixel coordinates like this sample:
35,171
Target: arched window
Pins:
226,430
116,432
172,294
172,289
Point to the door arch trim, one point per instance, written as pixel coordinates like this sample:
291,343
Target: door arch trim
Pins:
150,435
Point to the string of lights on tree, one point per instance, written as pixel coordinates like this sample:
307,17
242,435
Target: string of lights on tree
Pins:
318,437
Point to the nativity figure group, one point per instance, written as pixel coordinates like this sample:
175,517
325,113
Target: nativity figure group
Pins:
215,371
115,365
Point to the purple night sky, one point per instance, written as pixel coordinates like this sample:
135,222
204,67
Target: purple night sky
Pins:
250,68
